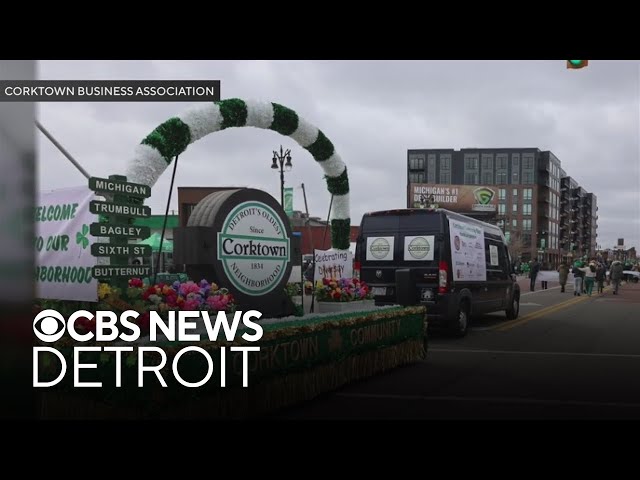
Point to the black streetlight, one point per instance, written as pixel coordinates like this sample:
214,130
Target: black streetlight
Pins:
279,163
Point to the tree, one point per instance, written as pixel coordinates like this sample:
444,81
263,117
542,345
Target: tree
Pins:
516,245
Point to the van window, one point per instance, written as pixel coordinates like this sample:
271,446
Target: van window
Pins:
393,223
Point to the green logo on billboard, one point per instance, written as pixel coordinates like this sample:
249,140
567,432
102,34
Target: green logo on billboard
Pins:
483,195
254,248
81,237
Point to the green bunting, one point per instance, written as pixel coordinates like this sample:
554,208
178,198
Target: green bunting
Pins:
285,120
170,138
341,233
234,113
322,148
338,185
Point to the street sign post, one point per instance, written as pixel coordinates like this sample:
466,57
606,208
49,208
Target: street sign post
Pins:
124,203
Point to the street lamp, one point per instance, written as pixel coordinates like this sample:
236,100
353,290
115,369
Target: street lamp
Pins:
282,162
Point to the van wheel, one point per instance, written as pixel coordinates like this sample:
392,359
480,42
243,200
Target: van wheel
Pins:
514,310
460,324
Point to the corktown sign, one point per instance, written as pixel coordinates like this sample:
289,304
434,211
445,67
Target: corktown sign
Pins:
254,248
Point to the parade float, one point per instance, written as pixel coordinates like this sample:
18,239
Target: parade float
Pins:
237,251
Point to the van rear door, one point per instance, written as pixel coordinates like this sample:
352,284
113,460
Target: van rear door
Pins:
407,239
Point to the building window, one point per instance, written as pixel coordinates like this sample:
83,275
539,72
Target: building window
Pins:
527,194
487,178
445,177
431,169
471,162
487,161
526,209
527,161
526,225
501,178
471,178
502,209
502,193
526,239
514,208
416,162
416,177
501,161
514,193
515,161
527,178
445,162
514,223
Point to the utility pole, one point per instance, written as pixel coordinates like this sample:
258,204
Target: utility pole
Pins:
62,149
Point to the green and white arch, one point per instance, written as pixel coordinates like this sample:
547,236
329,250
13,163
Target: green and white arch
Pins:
171,138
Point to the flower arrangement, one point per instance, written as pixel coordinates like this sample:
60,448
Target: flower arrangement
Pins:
343,290
144,298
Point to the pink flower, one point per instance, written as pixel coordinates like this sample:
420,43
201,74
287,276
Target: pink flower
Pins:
189,287
191,304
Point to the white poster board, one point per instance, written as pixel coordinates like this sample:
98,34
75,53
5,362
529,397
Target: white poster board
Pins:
333,264
467,251
380,249
63,245
493,254
419,248
548,276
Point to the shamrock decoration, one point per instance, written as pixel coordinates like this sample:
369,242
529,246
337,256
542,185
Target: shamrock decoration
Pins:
81,237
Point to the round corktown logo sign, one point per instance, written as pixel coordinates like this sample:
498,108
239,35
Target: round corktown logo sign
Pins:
419,248
254,248
379,248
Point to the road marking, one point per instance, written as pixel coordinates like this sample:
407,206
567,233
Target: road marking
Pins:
538,313
530,305
516,400
515,352
538,291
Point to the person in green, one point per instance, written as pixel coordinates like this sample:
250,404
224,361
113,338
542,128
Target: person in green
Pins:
590,278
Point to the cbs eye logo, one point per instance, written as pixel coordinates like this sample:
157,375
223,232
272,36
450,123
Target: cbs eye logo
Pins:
49,326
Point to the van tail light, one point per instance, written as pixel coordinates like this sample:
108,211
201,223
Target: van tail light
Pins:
443,270
356,270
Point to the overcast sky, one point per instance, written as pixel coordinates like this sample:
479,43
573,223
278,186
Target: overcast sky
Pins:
372,111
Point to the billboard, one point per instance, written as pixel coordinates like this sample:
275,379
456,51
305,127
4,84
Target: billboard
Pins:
457,198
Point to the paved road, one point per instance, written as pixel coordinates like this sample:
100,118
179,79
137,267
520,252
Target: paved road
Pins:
564,357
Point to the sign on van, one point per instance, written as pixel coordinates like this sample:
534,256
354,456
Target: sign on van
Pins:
380,249
419,248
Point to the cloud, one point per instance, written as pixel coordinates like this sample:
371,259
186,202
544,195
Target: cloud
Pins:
373,111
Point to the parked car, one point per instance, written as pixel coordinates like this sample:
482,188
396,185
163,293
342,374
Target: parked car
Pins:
455,265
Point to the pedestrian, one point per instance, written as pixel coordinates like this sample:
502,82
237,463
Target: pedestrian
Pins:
601,273
563,270
535,268
578,275
616,275
590,278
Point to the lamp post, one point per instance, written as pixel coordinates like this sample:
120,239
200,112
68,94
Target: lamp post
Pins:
279,163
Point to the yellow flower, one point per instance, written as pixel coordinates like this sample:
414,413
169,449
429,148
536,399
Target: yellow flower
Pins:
104,290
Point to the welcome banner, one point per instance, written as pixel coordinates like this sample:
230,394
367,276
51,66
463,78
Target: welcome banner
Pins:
63,245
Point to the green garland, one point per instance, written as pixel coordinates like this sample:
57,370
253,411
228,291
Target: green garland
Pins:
170,138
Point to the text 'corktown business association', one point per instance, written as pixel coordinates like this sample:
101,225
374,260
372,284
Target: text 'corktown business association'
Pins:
103,91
